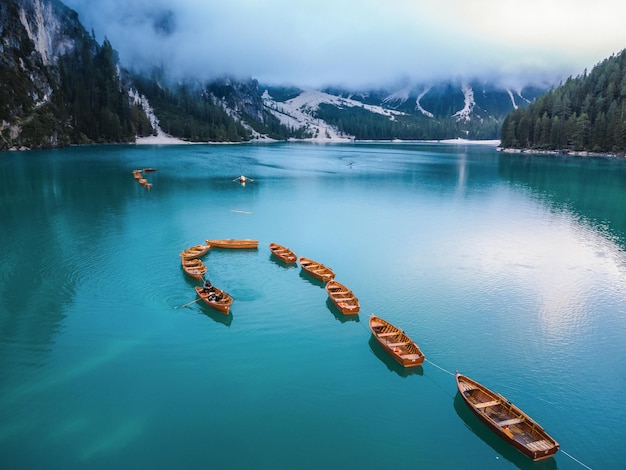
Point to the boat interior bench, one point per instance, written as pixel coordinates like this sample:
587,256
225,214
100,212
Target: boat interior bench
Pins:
392,345
391,333
487,404
540,445
411,357
508,422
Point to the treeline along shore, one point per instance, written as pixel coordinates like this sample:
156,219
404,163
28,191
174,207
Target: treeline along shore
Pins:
585,116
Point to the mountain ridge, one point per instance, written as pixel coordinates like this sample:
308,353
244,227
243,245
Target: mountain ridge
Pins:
61,87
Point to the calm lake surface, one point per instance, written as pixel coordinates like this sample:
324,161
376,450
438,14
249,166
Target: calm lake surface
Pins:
510,269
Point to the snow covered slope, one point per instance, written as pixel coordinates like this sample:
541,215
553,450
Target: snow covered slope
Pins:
300,112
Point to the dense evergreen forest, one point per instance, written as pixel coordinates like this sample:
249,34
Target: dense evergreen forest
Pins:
586,113
185,112
365,125
91,98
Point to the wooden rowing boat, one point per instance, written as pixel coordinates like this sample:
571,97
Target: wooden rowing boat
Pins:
233,243
195,251
283,253
343,298
215,298
506,420
396,342
317,270
194,268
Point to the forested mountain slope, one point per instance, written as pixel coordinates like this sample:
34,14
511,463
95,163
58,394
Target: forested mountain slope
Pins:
57,84
586,113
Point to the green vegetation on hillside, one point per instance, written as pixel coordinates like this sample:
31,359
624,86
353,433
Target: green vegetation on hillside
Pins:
185,112
91,99
366,125
586,113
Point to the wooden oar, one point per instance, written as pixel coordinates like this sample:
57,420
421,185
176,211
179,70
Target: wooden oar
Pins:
192,302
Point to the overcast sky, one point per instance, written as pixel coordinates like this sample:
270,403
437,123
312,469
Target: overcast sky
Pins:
360,42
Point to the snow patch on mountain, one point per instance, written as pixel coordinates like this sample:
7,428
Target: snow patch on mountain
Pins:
161,137
418,105
309,101
519,93
138,99
512,98
468,96
399,97
299,113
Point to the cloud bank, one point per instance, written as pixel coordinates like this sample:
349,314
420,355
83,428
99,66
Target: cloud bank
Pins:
359,43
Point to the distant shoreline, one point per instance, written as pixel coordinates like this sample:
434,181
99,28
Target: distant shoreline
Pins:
163,139
574,153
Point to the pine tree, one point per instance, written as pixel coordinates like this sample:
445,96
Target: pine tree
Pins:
584,113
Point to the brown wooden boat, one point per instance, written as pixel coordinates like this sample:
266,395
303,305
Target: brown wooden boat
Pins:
343,298
195,251
215,298
317,270
506,420
283,253
194,268
233,243
396,342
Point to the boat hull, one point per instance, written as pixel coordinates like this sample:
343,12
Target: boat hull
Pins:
222,305
194,268
506,420
343,298
195,252
283,253
396,343
234,243
317,270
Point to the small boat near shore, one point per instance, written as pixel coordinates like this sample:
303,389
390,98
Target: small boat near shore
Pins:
396,342
233,243
195,251
215,298
506,420
283,253
343,298
317,270
194,268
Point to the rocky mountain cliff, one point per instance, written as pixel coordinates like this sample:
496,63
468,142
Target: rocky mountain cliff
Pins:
57,84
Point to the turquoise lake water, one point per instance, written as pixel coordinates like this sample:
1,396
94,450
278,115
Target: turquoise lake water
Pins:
510,269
